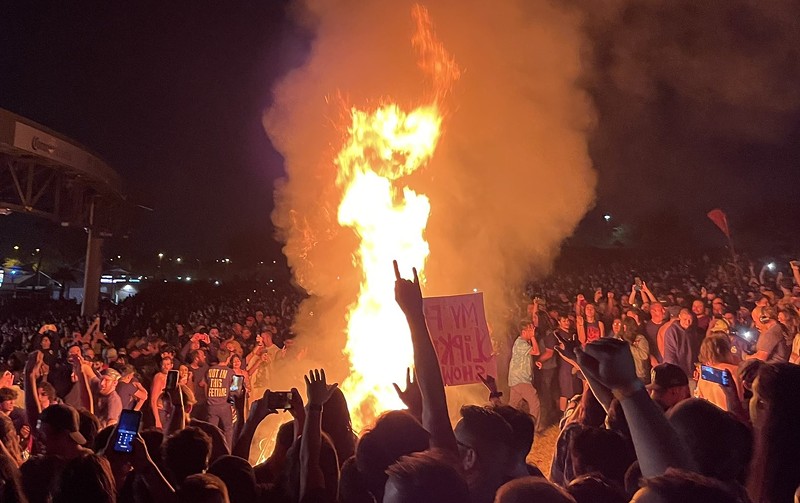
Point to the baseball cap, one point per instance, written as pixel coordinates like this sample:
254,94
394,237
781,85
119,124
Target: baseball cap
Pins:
64,418
667,375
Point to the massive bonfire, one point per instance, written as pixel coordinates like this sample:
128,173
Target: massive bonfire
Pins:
382,147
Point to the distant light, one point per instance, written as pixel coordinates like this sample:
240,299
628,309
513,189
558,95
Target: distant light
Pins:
188,278
262,262
119,256
475,290
771,266
179,260
180,277
165,281
607,217
16,247
274,262
37,250
216,283
160,256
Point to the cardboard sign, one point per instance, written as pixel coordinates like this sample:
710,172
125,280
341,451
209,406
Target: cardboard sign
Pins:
457,325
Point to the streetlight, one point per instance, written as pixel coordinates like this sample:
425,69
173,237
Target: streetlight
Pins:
179,260
16,247
607,217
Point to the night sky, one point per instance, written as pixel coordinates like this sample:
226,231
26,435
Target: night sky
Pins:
697,107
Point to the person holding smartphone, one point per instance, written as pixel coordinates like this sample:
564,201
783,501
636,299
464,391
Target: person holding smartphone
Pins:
715,354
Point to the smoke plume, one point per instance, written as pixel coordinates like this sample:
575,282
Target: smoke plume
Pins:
511,177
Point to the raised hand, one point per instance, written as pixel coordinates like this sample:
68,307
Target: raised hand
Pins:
259,409
407,293
412,396
317,388
609,362
34,364
566,348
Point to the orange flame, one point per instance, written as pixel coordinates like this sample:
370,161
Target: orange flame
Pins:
382,147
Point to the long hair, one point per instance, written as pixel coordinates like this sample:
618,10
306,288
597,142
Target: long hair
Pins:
716,348
775,471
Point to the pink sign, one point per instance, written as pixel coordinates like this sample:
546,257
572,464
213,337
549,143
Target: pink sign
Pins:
457,325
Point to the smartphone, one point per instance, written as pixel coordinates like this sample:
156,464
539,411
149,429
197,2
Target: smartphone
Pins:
714,375
236,383
637,282
127,429
172,380
279,400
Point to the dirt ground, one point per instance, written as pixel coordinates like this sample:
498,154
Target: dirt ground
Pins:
544,445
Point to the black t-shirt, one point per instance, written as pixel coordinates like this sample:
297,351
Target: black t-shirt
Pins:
125,390
218,385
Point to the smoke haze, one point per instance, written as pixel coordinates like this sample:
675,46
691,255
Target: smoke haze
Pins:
698,107
511,177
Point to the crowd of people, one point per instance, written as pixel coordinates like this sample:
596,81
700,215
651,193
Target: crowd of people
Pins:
668,381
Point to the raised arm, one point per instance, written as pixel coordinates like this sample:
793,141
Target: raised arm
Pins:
658,447
311,476
159,381
434,403
32,405
580,327
79,368
632,296
411,396
175,407
646,291
795,265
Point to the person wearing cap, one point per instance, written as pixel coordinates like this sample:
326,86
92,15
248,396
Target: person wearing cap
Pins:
58,430
669,385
